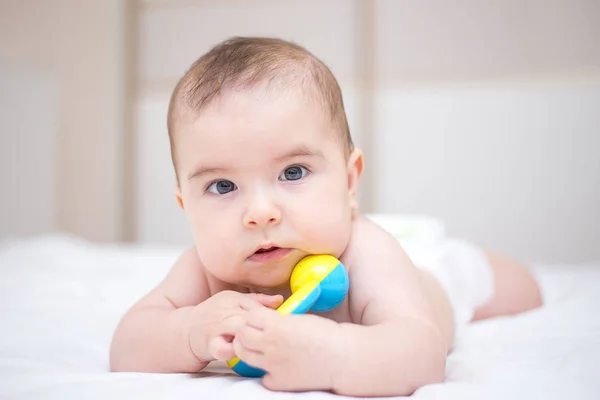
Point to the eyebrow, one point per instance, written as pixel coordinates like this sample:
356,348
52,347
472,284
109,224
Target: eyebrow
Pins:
198,172
301,151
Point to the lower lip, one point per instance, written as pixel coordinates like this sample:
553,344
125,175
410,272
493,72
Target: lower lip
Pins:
267,256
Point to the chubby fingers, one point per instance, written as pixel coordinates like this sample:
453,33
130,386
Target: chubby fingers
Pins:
251,338
261,317
270,301
254,341
247,347
257,300
221,348
231,325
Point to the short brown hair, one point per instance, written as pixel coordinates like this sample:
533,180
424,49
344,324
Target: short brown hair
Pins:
244,62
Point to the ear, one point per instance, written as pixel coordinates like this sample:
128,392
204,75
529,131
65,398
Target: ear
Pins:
355,170
178,197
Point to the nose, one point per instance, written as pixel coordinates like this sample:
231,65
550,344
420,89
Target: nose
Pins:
261,211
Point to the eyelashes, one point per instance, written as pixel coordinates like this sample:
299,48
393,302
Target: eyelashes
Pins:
220,187
294,173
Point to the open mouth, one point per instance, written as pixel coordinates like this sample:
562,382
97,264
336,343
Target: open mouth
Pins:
269,254
260,251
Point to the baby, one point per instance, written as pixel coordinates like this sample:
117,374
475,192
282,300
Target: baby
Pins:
267,174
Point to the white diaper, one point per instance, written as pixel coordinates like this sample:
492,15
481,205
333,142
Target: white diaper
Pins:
462,268
465,274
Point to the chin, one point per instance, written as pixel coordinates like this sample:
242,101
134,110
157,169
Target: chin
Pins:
273,277
274,282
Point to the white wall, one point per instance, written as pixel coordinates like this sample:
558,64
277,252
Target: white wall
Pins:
486,112
28,144
69,153
514,166
488,117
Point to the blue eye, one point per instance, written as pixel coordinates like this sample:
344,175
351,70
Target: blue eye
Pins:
221,187
293,173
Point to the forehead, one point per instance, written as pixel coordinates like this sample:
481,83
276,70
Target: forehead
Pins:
260,106
257,120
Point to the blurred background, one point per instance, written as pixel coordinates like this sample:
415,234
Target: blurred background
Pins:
485,115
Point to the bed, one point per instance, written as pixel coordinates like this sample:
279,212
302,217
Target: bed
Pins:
61,298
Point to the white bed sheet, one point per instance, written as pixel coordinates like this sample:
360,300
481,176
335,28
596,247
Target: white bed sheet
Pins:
61,298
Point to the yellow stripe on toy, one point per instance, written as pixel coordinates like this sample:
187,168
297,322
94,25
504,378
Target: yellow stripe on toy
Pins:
297,297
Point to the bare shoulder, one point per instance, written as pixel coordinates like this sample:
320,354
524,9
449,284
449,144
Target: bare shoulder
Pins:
384,283
367,235
369,243
185,284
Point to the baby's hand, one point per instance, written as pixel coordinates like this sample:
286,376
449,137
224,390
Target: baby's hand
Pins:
298,352
217,320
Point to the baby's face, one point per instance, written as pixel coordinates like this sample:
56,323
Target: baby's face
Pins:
264,181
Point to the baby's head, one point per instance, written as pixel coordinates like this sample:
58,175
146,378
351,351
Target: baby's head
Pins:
263,158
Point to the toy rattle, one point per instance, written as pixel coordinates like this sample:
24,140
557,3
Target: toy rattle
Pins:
319,283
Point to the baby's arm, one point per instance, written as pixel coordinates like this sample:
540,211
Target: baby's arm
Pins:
153,335
398,346
178,327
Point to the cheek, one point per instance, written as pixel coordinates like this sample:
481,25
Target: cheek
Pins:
328,237
214,238
325,219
